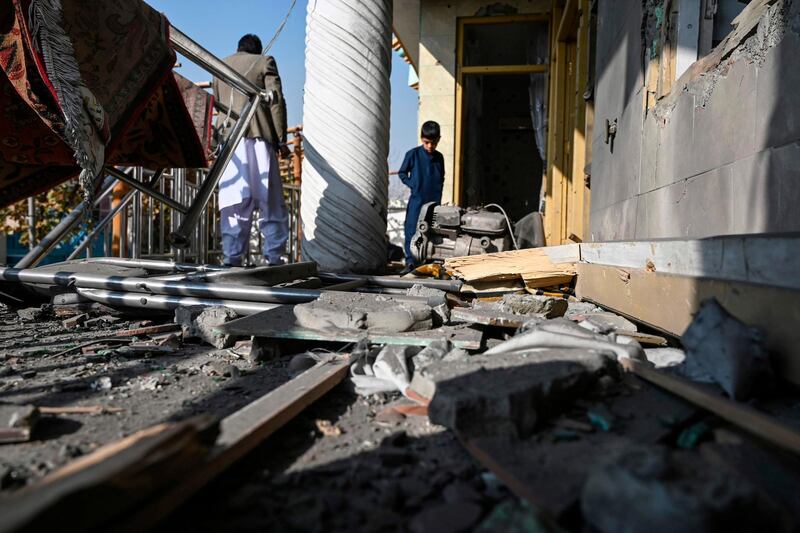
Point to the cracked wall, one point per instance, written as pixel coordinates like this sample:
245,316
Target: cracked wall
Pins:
719,155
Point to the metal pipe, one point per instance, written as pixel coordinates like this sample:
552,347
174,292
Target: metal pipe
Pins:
263,275
180,237
347,285
179,190
109,217
31,222
136,226
196,53
169,303
136,184
449,285
40,251
152,264
157,286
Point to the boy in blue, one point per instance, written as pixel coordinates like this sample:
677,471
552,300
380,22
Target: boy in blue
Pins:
422,171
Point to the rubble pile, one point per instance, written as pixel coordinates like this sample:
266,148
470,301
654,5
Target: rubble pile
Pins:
457,410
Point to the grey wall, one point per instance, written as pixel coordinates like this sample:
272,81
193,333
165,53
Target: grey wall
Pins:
721,158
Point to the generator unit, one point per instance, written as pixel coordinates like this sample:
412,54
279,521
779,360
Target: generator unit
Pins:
445,231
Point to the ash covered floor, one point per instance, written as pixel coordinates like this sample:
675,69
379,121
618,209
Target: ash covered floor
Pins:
141,389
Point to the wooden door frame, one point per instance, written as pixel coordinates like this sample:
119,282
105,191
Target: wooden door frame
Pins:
570,121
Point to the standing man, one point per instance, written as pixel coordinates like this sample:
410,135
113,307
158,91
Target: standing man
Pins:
422,171
252,179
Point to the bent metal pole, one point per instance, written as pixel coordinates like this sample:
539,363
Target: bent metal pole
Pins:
157,286
181,237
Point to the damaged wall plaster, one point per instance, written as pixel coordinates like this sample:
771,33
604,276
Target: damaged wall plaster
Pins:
720,154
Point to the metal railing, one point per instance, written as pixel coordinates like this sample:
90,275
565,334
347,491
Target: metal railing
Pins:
174,213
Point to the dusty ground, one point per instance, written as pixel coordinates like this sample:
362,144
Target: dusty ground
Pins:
362,472
148,390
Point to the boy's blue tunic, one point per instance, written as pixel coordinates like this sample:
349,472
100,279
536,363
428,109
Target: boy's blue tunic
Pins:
423,173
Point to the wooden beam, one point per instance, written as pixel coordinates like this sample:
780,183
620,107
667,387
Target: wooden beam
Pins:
766,259
111,481
568,26
505,69
668,302
242,431
739,414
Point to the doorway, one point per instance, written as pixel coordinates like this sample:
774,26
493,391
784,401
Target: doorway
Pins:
501,110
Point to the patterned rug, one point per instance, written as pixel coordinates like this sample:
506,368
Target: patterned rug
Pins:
132,104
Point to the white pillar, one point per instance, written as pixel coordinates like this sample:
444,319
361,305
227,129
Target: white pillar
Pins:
346,134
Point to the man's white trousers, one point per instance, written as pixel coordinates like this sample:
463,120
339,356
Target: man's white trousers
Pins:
251,182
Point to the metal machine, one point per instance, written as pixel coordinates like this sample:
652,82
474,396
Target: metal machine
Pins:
445,231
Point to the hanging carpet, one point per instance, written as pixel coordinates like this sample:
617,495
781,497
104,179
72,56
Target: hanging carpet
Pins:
89,82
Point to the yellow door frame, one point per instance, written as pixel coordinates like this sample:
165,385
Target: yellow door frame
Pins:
462,71
568,147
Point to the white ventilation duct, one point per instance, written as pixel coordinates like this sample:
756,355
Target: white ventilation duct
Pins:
346,127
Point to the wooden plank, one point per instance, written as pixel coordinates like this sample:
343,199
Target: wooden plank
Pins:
90,492
569,21
530,265
242,431
280,323
668,302
739,414
767,259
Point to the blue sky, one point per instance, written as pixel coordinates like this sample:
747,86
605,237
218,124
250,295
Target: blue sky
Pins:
218,26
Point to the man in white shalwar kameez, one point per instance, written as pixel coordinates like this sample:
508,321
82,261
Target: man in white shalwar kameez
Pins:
251,181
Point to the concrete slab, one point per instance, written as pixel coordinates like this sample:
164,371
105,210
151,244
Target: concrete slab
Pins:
511,393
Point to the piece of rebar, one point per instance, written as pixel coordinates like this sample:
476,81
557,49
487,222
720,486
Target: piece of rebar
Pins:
163,302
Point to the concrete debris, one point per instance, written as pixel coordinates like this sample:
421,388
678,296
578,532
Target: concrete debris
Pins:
221,369
510,393
198,322
102,384
17,422
604,322
383,370
652,489
665,357
437,299
32,314
532,304
374,312
75,321
565,334
262,349
723,350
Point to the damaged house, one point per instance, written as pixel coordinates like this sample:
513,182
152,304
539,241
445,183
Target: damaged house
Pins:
600,334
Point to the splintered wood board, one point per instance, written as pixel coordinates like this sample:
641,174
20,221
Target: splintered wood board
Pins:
537,267
280,323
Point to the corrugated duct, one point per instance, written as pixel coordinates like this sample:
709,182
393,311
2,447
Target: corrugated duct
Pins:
346,125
